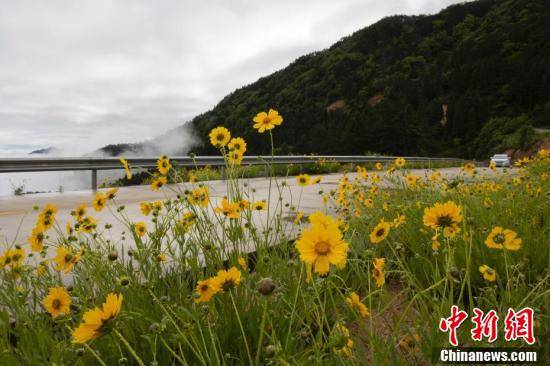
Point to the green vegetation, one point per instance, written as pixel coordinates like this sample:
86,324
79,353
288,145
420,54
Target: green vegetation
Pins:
253,171
400,265
235,276
484,62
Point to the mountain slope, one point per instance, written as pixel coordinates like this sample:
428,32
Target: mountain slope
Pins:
412,85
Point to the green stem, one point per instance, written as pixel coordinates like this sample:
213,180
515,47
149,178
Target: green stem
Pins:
94,353
130,349
261,338
242,329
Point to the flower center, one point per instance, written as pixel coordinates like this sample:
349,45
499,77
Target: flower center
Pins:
228,285
204,288
56,304
380,232
220,137
68,258
322,248
444,221
499,238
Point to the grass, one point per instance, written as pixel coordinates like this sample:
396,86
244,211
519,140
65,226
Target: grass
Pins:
208,173
279,310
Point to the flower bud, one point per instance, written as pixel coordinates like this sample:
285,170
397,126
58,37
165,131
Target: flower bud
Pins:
269,351
266,286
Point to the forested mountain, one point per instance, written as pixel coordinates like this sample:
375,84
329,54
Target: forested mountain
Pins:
468,81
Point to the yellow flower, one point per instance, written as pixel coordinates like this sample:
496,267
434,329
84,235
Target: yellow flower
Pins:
244,204
229,209
444,216
140,228
488,273
164,165
46,218
36,240
57,302
235,157
411,180
355,303
226,280
99,201
111,193
342,338
319,218
65,259
145,208
49,210
469,168
409,344
199,196
267,121
399,162
81,211
206,289
322,245
435,243
126,168
503,238
219,136
87,224
156,206
237,144
243,263
399,220
260,206
378,271
378,166
46,222
41,268
187,220
94,321
13,258
298,217
316,180
303,180
158,183
380,232
69,228
162,257
192,178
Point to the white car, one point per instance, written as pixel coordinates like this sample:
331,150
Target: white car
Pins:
500,160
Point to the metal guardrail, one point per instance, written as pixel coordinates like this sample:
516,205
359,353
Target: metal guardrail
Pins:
17,165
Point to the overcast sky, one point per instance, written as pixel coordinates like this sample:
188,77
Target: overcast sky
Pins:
78,75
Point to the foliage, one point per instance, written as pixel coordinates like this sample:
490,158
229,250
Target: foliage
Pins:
398,269
501,133
482,60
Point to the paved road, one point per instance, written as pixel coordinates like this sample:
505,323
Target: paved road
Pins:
17,216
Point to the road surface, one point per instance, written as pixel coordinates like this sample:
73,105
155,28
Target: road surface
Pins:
17,217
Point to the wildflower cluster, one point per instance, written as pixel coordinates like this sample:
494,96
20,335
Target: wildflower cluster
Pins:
232,273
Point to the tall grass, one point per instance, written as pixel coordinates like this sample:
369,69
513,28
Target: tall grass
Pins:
281,311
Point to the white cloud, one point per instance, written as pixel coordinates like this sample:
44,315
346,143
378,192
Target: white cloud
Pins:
82,74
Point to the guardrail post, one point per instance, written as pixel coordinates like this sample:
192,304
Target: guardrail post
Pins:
266,170
94,180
